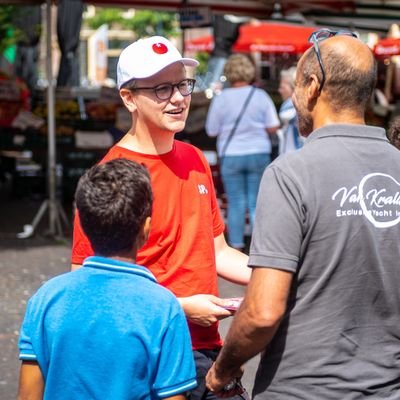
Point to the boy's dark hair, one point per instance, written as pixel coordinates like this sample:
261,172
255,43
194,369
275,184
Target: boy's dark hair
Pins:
114,199
393,133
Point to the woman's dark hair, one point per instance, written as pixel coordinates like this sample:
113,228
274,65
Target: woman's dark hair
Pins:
113,200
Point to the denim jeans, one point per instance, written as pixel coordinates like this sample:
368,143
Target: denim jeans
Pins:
204,360
241,176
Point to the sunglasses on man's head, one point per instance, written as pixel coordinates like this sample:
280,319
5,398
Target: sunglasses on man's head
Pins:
319,36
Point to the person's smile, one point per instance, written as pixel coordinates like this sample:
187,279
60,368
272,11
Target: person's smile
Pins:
176,112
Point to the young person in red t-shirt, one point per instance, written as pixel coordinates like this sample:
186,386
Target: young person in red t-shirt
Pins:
186,248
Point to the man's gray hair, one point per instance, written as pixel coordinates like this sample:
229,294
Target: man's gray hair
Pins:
290,75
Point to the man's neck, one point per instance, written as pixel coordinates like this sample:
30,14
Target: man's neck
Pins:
129,259
324,116
154,144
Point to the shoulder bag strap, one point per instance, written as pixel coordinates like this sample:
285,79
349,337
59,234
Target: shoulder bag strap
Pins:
236,124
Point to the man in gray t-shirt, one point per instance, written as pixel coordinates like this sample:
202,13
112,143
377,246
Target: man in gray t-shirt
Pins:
323,303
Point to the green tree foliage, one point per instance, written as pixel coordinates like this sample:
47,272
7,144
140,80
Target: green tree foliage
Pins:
8,34
109,16
202,57
144,22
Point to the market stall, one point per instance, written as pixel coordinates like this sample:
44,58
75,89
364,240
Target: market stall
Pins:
56,134
387,47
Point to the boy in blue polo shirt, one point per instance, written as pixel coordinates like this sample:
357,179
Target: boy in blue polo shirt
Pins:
107,331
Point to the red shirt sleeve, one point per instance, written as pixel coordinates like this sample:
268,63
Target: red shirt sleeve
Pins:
81,247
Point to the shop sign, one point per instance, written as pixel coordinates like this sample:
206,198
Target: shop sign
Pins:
194,17
97,55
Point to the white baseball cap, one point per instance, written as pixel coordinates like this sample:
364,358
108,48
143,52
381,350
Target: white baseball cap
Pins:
146,57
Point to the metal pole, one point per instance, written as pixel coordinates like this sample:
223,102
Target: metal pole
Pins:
51,204
51,163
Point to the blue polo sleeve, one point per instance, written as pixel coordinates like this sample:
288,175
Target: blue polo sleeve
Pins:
26,351
176,371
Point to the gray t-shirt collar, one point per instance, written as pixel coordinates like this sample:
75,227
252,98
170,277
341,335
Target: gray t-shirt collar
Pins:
348,130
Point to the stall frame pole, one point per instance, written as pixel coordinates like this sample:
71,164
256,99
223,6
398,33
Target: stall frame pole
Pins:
51,204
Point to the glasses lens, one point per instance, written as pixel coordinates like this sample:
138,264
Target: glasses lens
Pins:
348,33
164,91
323,34
186,87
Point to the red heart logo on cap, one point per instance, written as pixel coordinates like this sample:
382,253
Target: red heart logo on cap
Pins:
160,48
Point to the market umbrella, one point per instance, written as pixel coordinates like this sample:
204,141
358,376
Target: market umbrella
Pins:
273,38
387,47
69,20
202,43
264,37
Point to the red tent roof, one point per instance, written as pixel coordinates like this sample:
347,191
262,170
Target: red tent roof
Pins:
264,37
273,38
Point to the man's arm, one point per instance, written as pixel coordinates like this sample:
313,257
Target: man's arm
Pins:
31,383
231,263
272,130
253,326
204,309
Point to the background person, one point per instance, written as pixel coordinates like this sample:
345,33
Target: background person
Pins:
289,137
323,301
186,248
244,154
88,334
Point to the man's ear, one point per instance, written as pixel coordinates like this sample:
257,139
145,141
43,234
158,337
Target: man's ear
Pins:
129,99
146,228
143,233
313,88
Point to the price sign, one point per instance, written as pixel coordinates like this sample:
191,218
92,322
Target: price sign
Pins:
194,17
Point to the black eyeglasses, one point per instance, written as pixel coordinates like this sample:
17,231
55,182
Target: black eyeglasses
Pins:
319,36
164,91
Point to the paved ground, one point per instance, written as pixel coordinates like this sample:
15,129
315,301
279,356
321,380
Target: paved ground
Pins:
24,265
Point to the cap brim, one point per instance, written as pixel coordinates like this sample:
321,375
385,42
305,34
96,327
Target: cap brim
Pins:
190,62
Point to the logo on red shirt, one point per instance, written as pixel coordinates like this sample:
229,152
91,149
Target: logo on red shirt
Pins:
160,48
202,189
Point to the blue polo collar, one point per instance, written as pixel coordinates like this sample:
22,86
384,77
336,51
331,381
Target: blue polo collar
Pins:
109,264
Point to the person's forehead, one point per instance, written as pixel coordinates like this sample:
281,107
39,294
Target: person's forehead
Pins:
285,80
172,73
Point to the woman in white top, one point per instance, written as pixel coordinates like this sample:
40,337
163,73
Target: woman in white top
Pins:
245,153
